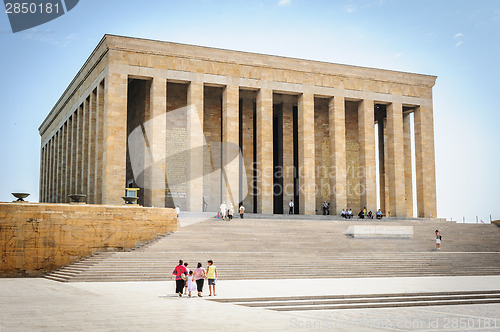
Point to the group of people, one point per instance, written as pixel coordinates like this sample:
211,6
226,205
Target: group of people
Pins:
347,214
188,281
227,211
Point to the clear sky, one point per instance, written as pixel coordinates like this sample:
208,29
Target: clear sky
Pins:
458,41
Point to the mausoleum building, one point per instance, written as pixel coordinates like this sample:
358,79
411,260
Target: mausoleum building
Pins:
166,118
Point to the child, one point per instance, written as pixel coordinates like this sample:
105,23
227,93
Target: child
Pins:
438,239
191,286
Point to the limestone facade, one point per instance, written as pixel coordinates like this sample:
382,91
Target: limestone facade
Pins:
306,131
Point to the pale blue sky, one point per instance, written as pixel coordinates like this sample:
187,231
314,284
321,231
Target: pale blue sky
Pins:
458,41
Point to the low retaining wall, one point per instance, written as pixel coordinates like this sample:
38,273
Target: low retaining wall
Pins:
38,238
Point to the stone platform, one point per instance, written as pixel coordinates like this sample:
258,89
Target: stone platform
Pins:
294,248
38,238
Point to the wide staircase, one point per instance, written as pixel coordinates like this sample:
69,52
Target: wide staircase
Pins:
299,247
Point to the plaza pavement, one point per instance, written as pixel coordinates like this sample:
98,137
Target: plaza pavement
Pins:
43,305
37,304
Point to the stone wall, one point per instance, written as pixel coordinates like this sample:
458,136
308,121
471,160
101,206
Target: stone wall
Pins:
38,238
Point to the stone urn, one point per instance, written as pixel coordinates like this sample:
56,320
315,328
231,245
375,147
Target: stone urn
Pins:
20,196
130,199
77,198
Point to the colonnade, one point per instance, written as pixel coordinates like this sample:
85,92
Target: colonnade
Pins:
86,154
72,158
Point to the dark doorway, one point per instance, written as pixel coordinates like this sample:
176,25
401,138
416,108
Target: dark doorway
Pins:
278,158
296,196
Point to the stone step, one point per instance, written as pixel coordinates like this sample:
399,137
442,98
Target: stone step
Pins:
297,245
337,302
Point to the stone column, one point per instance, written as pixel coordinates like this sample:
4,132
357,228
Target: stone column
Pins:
92,148
57,182
264,151
74,137
338,176
154,184
46,172
53,184
53,169
64,191
42,174
425,165
306,152
79,148
396,160
366,137
53,176
85,148
194,144
115,138
49,172
99,168
408,168
230,139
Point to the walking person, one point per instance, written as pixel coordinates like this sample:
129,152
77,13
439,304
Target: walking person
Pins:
223,210
438,239
179,272
191,286
242,211
212,277
199,276
290,207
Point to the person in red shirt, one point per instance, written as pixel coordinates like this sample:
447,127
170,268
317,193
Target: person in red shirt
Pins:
179,282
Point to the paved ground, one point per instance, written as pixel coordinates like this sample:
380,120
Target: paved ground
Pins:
45,305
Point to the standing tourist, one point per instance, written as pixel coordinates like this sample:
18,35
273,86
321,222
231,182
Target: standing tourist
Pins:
438,239
242,211
199,277
179,272
223,210
177,211
324,207
290,207
230,211
212,277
